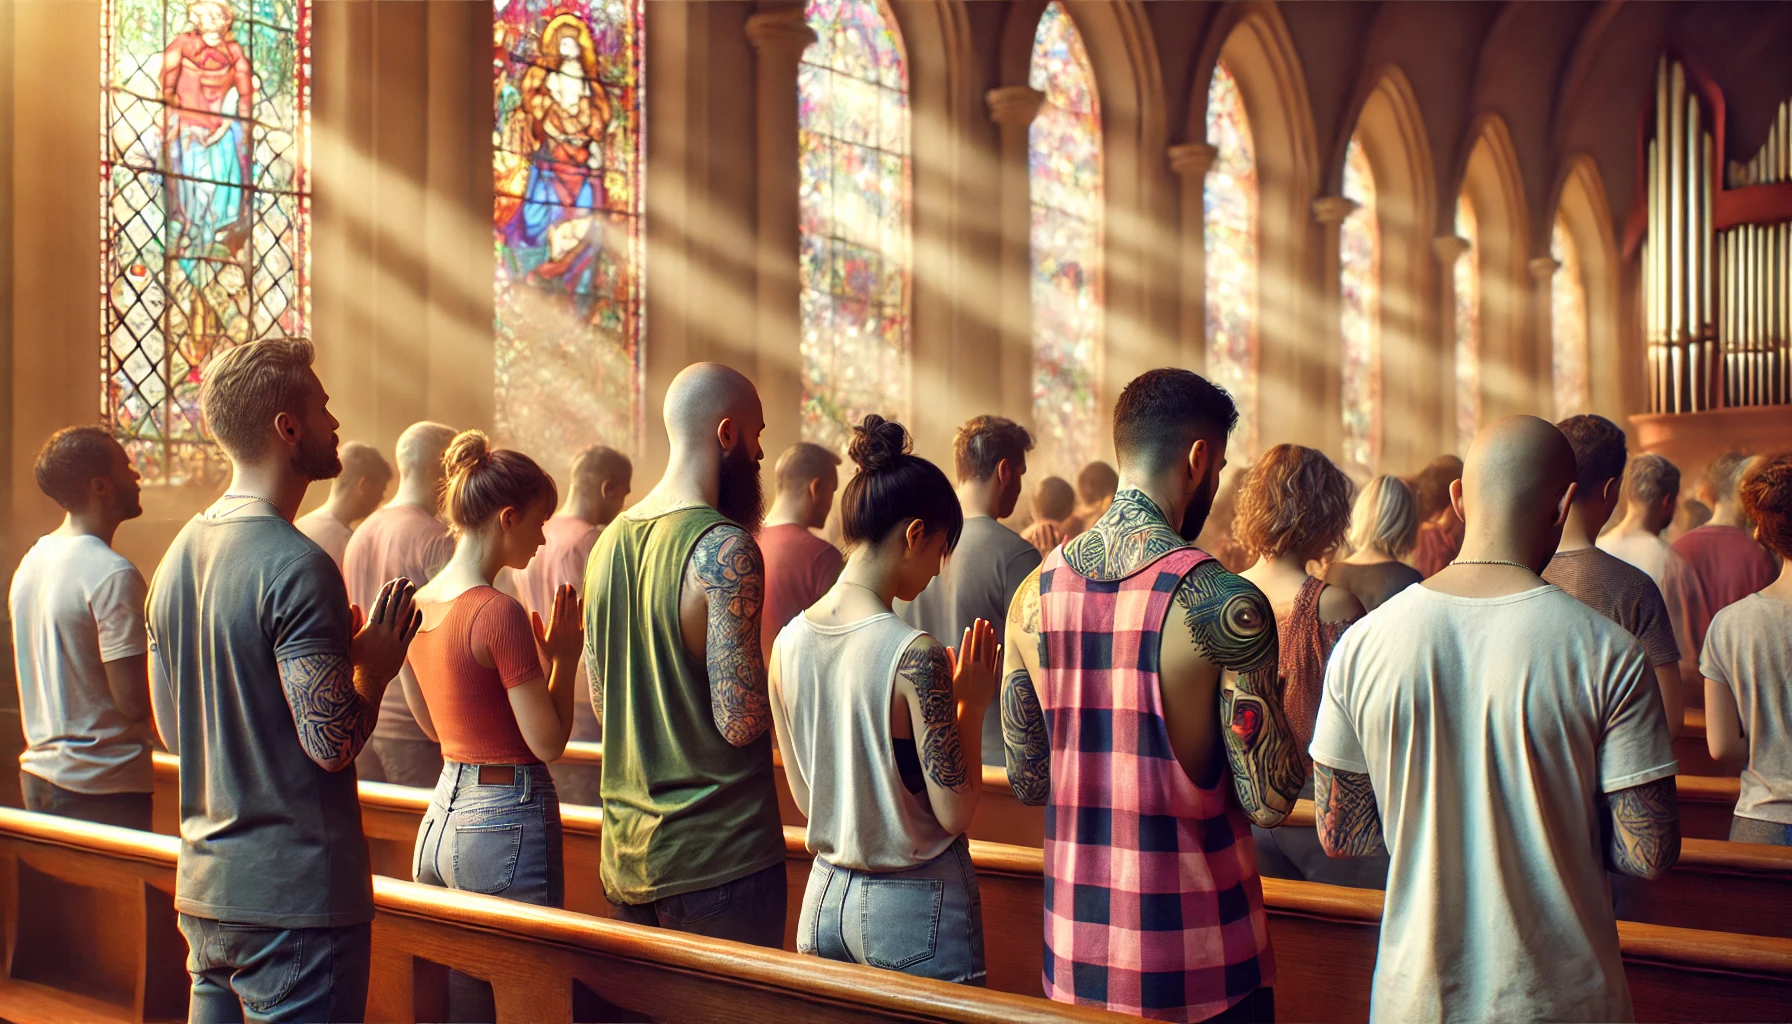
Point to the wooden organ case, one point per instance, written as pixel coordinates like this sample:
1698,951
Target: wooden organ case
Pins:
1715,280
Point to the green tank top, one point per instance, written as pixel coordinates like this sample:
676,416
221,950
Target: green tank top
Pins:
684,809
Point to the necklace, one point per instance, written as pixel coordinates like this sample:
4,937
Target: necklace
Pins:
1492,561
863,587
245,498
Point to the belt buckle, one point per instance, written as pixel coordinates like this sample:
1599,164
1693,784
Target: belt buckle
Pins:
497,775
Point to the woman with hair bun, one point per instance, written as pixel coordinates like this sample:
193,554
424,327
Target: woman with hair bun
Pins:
1384,528
881,730
493,825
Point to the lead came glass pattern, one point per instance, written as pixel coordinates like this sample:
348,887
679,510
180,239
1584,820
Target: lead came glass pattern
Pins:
853,168
1064,176
205,209
1359,241
1467,277
567,227
1229,198
1568,324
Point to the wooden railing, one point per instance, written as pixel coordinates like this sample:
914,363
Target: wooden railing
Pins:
1693,753
90,935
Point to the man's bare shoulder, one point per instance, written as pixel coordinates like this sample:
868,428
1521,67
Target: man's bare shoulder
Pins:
1227,618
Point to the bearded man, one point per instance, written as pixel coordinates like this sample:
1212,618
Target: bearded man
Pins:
673,599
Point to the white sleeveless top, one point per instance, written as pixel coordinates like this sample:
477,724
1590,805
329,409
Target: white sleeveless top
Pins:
835,687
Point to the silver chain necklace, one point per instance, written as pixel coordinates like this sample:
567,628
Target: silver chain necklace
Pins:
1492,561
245,498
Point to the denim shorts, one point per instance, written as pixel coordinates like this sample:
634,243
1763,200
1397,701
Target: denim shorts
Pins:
926,920
501,838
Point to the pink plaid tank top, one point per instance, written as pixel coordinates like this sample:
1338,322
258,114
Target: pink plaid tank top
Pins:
1152,902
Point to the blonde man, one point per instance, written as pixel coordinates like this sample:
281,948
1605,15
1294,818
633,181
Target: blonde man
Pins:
267,684
353,497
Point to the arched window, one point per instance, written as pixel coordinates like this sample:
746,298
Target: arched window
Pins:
852,109
1064,172
1568,324
1230,200
206,196
1468,326
566,160
1359,265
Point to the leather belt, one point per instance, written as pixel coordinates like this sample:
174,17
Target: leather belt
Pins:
497,775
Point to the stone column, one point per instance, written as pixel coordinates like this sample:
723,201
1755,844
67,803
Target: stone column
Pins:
1448,249
1191,161
1322,376
1012,108
1541,366
773,354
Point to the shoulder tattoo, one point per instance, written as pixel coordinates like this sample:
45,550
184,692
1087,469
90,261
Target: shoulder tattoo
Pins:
1229,618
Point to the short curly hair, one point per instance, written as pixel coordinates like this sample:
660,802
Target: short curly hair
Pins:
1293,501
1766,494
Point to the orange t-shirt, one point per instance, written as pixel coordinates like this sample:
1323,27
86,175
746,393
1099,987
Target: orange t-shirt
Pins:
469,702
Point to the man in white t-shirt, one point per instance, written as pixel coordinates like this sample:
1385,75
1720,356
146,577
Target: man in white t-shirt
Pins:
353,497
1510,745
79,644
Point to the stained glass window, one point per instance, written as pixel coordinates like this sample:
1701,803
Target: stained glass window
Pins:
1064,172
1568,324
566,218
1467,278
852,111
1359,241
206,205
1230,210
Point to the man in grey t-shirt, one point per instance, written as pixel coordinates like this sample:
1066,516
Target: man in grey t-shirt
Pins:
267,687
989,455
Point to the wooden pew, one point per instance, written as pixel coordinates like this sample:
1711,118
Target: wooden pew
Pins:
64,885
1707,802
1695,756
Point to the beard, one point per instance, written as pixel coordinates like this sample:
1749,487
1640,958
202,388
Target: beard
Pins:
316,458
739,494
128,504
1199,507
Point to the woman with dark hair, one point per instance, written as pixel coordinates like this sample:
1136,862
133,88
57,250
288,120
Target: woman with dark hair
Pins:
881,731
493,825
1747,665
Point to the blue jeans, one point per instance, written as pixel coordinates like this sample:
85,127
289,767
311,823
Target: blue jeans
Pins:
926,920
255,973
499,836
1754,830
748,909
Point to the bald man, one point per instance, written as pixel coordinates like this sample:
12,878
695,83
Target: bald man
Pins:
673,600
799,565
1505,744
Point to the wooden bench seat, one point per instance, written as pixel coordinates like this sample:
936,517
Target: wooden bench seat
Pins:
91,936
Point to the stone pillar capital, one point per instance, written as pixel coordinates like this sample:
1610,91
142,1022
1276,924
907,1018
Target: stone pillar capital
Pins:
1449,249
1014,104
781,29
1543,268
1329,210
1193,159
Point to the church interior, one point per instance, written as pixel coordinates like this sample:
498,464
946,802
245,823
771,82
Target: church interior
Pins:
1379,226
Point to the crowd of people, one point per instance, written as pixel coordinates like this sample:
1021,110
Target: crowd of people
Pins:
1472,673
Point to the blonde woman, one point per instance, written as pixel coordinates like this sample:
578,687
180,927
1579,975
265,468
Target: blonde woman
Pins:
1384,529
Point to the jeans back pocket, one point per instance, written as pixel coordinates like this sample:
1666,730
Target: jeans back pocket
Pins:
900,920
485,856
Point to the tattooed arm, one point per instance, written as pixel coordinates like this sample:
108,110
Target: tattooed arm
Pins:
1345,813
1023,721
1220,633
335,698
947,694
1643,829
726,568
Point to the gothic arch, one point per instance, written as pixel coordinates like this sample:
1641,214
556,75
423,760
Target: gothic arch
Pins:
1139,242
1257,50
1391,131
1582,206
1494,186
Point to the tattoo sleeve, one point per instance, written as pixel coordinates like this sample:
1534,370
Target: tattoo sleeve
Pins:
727,566
1644,829
1024,735
1345,814
332,717
926,668
594,678
1232,625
